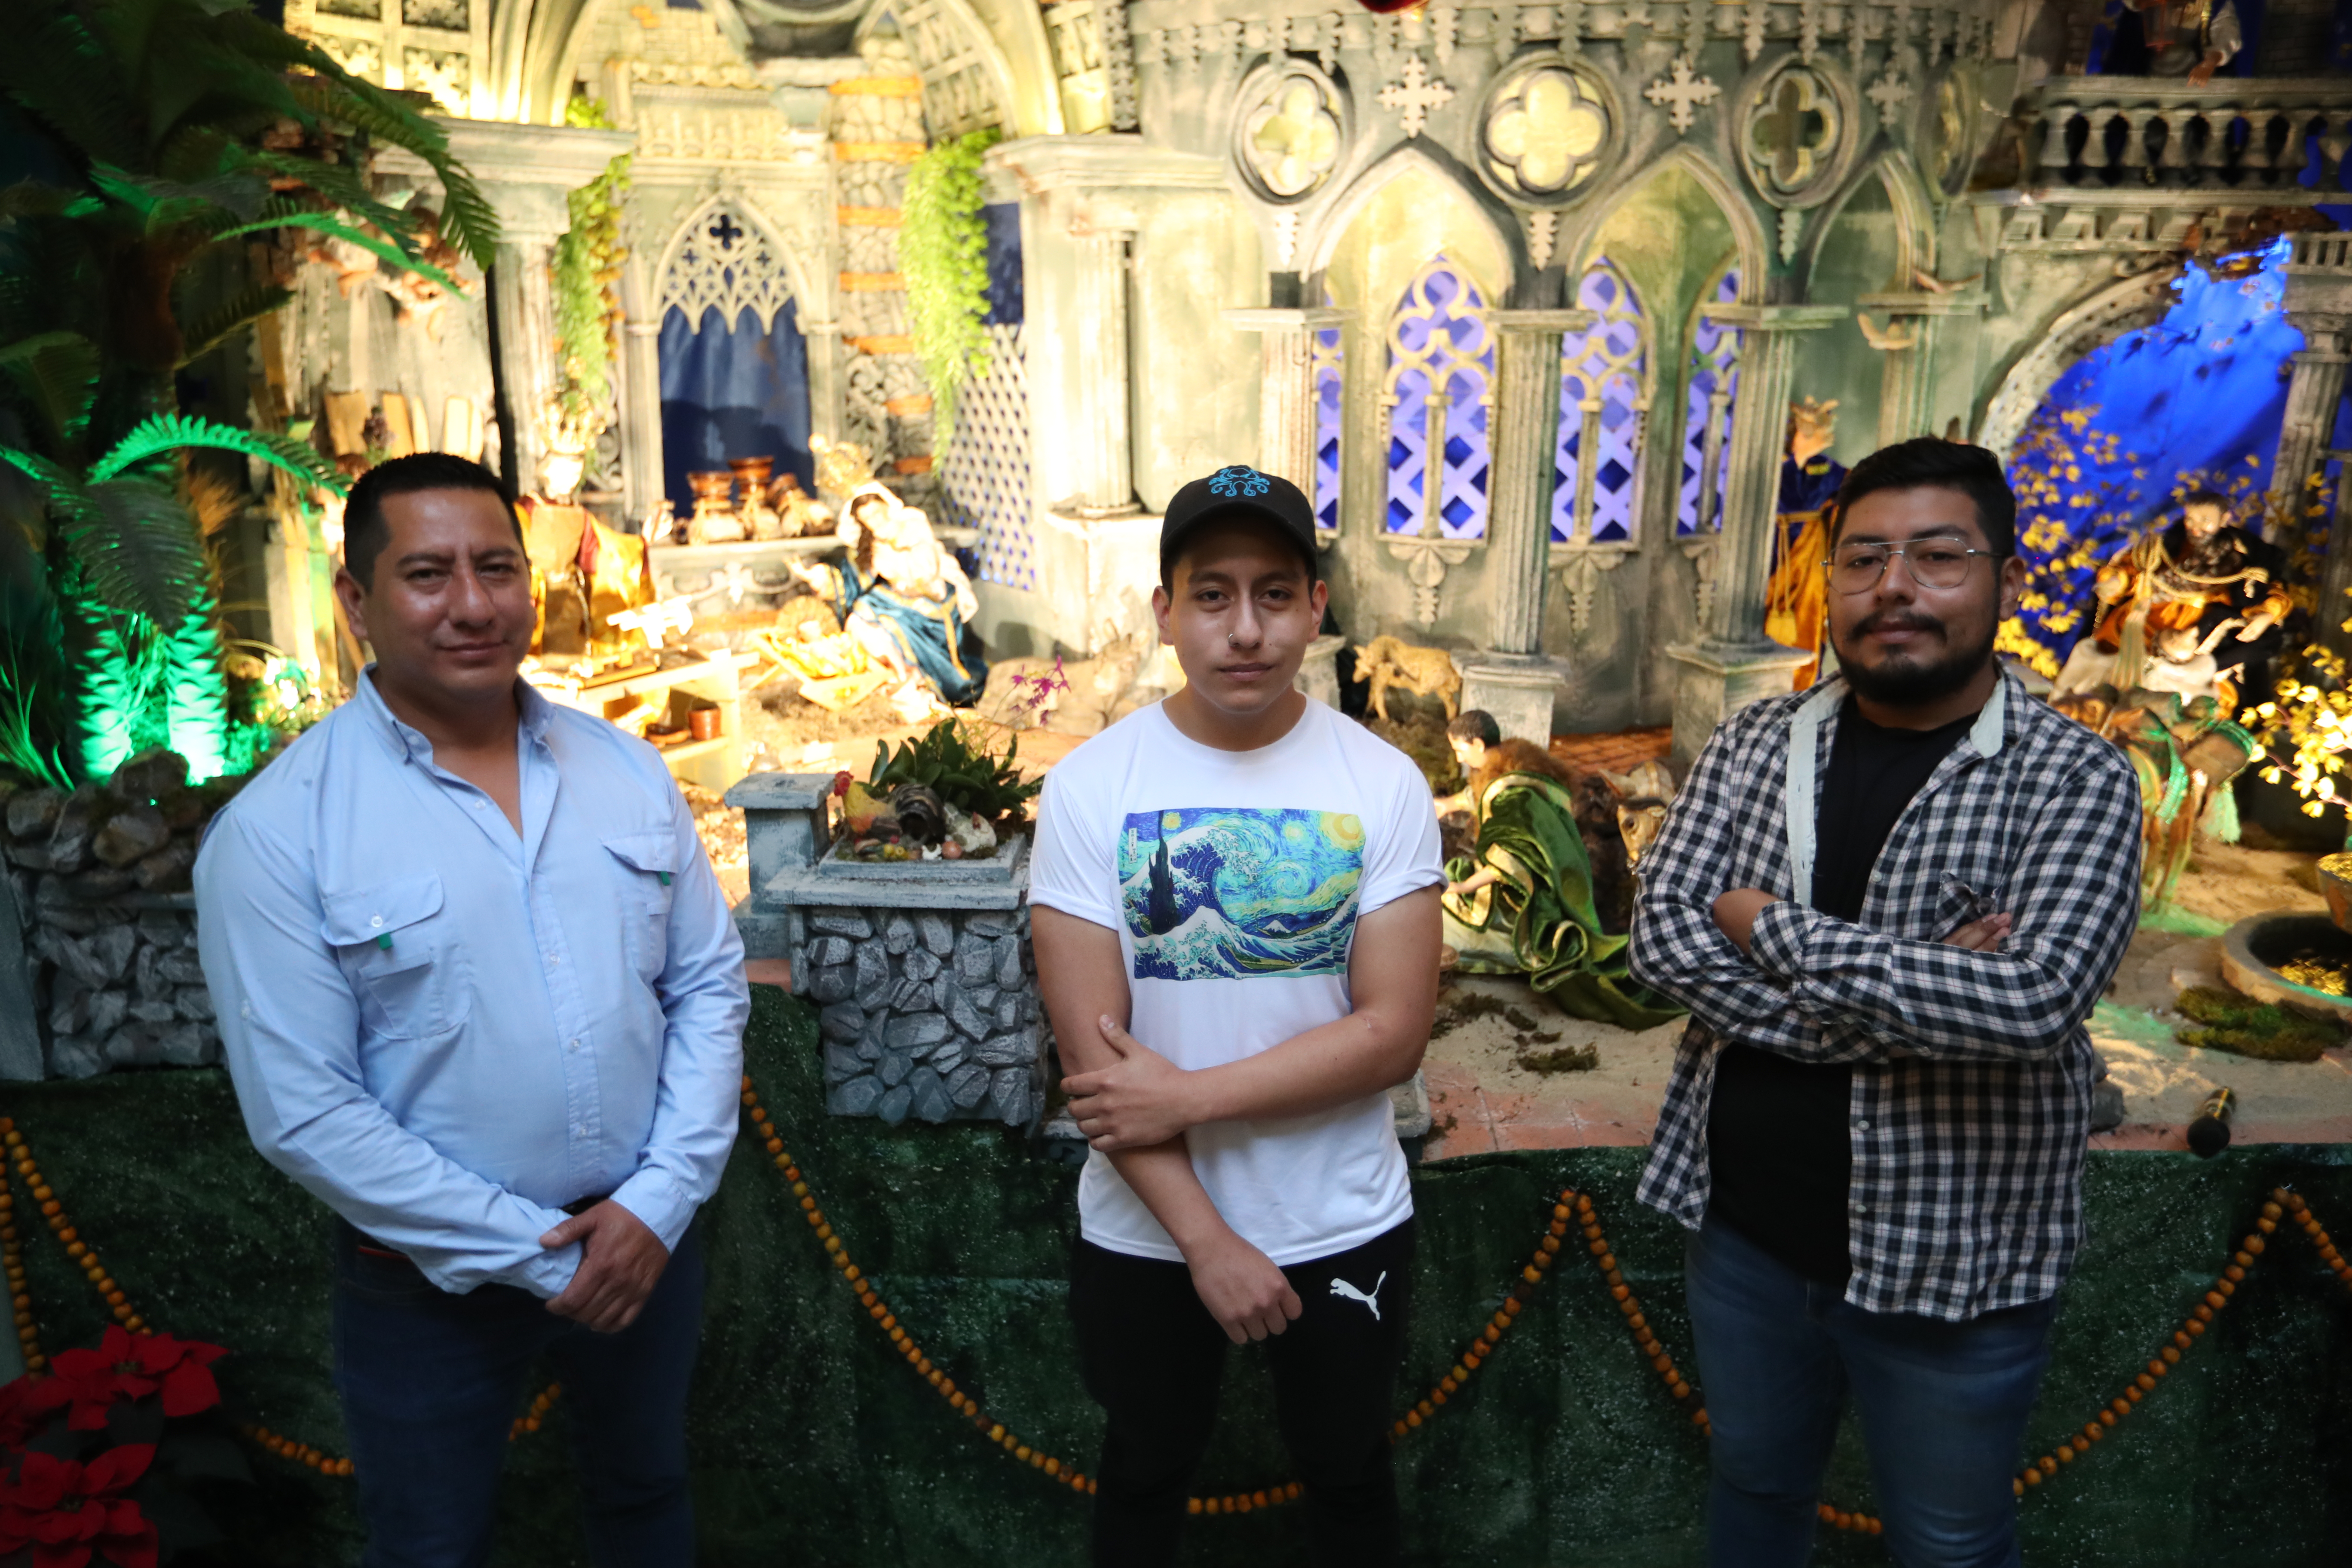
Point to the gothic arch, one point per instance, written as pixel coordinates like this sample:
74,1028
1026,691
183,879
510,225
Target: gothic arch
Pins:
1332,222
1915,219
2096,322
743,292
1754,249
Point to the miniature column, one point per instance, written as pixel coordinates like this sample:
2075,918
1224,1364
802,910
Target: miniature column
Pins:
2311,399
641,432
1104,454
2318,302
1734,663
1517,683
1526,438
522,295
1286,425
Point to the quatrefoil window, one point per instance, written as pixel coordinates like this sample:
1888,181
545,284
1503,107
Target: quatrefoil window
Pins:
1794,136
1543,136
1292,137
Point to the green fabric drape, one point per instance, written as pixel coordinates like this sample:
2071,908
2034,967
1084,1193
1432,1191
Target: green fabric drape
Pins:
1537,916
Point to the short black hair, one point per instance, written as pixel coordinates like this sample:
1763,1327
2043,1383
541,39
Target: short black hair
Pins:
366,531
2208,498
1170,554
1931,462
1476,724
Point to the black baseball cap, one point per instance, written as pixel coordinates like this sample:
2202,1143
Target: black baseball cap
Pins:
1239,490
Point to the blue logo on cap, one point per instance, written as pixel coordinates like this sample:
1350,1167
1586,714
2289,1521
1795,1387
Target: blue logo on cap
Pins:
1240,479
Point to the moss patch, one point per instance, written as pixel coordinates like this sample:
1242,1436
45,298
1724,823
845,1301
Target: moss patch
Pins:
2249,1028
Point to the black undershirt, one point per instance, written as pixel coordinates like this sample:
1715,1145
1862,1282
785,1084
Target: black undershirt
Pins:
1776,1131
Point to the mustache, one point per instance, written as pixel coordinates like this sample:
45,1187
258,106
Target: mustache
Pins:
1897,620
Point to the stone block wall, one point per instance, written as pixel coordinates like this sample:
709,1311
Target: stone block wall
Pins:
98,878
930,1014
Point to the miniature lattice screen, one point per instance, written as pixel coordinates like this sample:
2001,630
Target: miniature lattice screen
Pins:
987,474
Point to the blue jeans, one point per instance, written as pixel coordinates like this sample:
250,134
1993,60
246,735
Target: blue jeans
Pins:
1943,1409
430,1384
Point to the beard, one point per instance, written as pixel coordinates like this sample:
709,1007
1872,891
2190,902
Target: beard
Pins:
1905,680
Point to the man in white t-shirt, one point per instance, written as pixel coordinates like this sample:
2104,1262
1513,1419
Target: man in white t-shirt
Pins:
1236,914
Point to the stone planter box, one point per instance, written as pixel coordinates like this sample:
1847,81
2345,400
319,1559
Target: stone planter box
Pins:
922,972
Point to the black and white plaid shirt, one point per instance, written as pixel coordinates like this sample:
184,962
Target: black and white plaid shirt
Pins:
1973,1071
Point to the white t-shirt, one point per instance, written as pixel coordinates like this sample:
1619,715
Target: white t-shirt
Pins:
1234,880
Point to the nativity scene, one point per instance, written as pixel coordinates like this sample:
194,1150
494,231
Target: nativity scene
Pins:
803,398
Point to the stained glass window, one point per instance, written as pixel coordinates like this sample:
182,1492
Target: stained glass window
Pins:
1707,415
1441,373
1604,399
1330,400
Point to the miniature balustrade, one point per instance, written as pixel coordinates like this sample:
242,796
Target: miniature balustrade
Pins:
2242,135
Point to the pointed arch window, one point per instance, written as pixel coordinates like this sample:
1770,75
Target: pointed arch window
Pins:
1604,403
1329,358
1706,415
1439,396
732,363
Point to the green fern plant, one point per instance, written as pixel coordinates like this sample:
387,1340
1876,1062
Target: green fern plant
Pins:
186,130
949,760
943,258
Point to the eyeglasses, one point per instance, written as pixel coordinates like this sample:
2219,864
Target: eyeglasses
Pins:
1933,563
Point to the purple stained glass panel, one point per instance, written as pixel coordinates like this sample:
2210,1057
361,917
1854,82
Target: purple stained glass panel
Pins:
1439,339
1330,391
1605,366
1714,366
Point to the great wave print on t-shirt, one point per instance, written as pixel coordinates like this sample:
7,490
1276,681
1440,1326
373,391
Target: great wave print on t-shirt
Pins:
1219,893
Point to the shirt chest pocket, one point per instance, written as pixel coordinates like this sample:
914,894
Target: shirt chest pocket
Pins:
403,959
648,864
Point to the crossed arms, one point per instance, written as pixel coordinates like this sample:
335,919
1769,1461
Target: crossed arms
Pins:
1135,1105
1813,988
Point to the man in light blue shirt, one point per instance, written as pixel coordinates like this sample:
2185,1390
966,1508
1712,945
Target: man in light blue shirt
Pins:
480,994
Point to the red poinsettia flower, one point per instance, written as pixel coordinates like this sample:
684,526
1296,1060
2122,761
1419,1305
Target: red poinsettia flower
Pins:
18,1415
130,1367
67,1513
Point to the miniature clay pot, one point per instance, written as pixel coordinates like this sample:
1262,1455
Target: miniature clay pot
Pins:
2336,882
712,485
752,473
922,816
704,723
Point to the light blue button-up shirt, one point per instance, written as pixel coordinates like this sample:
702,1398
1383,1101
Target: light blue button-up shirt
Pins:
447,1032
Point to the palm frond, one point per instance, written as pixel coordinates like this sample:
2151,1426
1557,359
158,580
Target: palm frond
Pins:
163,433
383,249
28,197
67,77
467,222
209,330
340,184
58,372
135,544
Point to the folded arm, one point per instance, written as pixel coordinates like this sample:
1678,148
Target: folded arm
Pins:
1141,1098
289,1028
2074,904
1679,951
1083,980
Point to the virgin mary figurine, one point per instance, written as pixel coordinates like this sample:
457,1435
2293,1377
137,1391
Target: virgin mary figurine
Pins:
902,596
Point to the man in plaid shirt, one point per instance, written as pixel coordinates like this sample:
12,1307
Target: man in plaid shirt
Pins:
1876,1125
